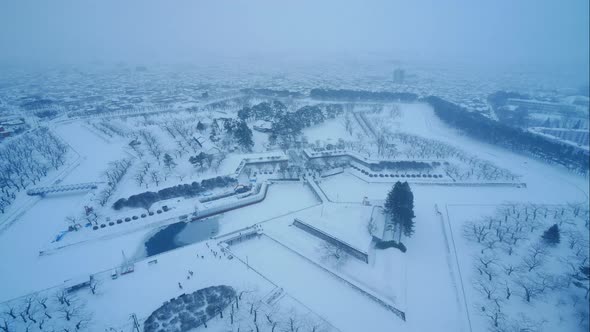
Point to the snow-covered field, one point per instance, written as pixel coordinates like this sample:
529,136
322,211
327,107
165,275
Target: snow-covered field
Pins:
432,283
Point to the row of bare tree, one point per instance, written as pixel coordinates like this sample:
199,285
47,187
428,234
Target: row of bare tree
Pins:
47,311
117,169
26,159
514,260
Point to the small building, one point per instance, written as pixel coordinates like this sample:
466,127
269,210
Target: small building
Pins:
206,144
263,126
76,284
399,75
12,122
11,125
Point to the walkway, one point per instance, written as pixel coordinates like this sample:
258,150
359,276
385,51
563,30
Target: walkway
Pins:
41,191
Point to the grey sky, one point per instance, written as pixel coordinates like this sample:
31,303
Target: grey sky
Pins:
477,31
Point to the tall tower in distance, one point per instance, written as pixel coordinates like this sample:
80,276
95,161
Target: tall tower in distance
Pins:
398,76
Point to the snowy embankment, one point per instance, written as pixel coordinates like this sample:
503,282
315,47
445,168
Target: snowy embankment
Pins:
320,291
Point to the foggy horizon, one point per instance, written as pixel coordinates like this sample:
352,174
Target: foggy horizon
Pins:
501,34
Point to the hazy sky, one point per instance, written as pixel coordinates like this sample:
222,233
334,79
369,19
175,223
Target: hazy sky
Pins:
477,31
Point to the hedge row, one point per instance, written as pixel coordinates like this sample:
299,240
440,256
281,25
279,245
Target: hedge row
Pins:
146,199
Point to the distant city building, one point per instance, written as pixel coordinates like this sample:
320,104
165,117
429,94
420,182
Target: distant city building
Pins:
399,75
537,105
11,125
577,136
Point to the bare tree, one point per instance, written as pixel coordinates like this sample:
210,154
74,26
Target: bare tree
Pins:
155,176
42,301
140,178
333,253
528,286
535,256
64,298
494,312
476,231
486,287
94,284
10,311
6,325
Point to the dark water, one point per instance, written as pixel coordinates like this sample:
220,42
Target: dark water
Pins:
181,234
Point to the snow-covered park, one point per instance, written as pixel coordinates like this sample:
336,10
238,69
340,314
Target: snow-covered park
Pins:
193,222
294,166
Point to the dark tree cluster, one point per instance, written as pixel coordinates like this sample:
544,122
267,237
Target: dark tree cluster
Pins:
263,111
482,128
240,132
290,124
551,235
146,199
356,95
399,206
46,114
189,311
332,110
272,93
202,159
399,165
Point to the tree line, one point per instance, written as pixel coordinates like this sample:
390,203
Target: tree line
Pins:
487,130
359,95
272,93
146,199
26,159
240,132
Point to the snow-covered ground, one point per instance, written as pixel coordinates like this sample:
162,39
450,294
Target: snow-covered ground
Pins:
431,282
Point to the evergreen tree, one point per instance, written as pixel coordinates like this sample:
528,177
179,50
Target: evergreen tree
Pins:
244,135
407,210
392,201
399,206
551,235
245,113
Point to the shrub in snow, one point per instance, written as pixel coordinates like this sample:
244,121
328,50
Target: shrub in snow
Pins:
189,311
551,235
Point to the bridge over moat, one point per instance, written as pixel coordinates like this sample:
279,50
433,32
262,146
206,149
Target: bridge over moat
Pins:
42,191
